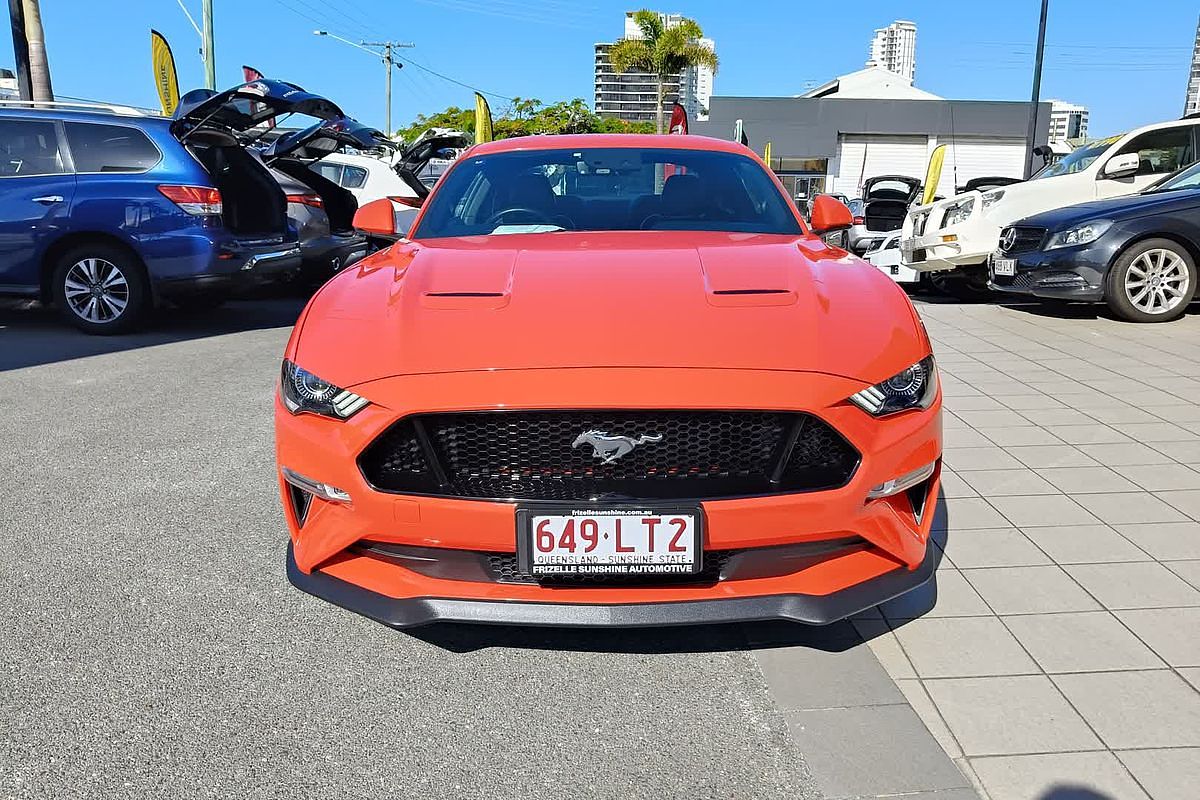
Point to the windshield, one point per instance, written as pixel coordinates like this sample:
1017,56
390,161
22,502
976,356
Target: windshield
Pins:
1188,178
606,189
1077,160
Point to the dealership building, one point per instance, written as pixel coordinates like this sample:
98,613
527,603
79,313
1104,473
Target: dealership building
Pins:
875,122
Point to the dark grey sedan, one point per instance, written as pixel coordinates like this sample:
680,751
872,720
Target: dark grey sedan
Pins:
1137,254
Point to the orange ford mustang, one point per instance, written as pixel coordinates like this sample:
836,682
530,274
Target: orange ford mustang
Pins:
609,380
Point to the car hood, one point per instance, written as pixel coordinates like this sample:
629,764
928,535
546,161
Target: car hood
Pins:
640,299
1116,208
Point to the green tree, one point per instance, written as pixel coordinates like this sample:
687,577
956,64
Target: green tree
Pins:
527,117
663,52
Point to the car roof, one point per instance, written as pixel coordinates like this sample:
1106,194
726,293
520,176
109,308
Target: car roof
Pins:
84,115
629,140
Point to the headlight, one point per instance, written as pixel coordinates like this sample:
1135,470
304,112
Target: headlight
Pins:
914,387
303,391
1086,233
991,197
958,212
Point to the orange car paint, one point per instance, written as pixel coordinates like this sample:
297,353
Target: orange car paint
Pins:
599,320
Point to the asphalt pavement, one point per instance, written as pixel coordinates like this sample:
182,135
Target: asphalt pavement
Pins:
150,645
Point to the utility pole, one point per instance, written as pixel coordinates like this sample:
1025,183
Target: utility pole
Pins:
16,15
1037,89
206,36
388,63
39,67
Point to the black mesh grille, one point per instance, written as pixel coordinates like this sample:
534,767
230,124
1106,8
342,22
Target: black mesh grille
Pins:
539,455
1017,239
505,569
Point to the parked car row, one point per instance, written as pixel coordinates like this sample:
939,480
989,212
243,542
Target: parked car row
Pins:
1116,221
105,211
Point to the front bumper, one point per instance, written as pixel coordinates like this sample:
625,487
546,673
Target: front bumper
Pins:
408,612
935,249
325,558
1072,273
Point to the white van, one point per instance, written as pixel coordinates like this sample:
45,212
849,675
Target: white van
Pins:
960,233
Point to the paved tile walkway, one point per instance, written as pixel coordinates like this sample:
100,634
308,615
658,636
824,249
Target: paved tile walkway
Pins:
1060,648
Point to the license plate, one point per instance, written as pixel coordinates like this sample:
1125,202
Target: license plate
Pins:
1004,266
609,541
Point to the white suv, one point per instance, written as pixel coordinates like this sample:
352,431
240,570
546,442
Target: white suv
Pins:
961,233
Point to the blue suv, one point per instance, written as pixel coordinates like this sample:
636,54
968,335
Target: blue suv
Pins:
102,213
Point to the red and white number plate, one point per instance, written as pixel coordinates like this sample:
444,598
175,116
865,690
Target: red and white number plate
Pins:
610,541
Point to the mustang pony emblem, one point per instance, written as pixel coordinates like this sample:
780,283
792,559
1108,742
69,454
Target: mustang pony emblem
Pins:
610,448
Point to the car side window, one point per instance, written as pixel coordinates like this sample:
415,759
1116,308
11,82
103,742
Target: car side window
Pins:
28,148
331,172
1162,151
110,148
353,177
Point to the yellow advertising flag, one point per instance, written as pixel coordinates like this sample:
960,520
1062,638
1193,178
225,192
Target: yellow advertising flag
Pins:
933,174
483,120
164,72
767,154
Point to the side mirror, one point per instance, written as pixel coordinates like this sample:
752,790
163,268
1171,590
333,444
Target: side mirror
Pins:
1121,166
377,218
829,214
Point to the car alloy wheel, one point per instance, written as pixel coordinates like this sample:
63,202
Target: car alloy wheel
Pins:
1157,281
96,290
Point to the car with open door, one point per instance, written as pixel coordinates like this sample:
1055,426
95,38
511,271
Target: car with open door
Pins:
885,201
105,212
321,209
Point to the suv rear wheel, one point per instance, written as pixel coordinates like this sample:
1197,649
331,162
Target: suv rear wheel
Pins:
101,288
1153,281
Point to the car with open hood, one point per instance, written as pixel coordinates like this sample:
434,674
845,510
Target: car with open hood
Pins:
609,380
885,201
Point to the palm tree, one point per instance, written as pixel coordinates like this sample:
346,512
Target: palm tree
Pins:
663,52
39,68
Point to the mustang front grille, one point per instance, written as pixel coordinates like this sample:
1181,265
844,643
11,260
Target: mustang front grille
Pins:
581,456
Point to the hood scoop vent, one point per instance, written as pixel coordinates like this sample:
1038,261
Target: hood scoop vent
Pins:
735,277
465,300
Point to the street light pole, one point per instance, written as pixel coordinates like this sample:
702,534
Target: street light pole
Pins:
1037,89
389,61
206,35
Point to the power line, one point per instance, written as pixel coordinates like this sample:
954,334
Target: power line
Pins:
408,61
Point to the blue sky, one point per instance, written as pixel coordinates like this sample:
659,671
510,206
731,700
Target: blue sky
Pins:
1128,65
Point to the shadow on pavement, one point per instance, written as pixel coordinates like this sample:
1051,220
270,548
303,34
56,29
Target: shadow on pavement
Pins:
835,638
1073,793
1056,309
32,335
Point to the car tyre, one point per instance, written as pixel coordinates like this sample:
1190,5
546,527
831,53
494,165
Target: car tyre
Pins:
101,289
1153,281
966,284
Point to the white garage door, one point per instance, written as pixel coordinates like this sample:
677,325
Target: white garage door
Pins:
864,156
979,157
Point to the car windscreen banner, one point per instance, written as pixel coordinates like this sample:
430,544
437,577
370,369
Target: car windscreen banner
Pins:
483,120
251,74
165,79
933,174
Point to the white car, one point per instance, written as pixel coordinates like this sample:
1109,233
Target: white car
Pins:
884,255
370,178
366,177
962,232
